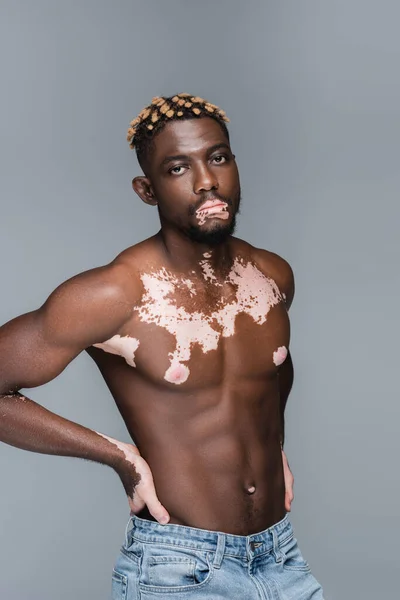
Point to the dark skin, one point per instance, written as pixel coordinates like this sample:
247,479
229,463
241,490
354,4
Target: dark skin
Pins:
212,443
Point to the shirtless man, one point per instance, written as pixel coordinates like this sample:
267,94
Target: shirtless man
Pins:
190,332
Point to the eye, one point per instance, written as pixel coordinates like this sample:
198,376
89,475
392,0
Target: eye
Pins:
177,170
220,159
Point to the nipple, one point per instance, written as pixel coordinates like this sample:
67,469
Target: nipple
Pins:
251,489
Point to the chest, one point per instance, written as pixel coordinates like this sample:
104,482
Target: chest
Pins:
183,330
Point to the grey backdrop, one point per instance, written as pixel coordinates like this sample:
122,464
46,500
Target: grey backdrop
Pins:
312,89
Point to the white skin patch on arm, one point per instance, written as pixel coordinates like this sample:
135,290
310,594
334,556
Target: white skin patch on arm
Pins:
279,356
125,346
119,445
255,295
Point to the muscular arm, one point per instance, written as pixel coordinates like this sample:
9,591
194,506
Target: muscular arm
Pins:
37,346
280,270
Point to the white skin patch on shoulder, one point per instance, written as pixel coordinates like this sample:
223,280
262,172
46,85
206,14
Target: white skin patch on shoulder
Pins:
279,356
125,346
256,294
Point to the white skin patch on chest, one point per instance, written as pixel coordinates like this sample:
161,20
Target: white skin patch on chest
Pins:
190,286
125,346
208,272
279,356
256,294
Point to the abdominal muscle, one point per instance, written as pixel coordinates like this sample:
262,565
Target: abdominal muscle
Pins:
222,469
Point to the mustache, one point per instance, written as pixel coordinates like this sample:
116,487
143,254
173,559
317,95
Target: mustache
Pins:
194,207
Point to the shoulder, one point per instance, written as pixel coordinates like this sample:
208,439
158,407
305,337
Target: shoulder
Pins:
117,282
92,305
275,266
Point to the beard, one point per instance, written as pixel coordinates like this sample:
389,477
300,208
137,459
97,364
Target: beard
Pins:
212,237
220,231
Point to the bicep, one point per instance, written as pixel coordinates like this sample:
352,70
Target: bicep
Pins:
28,357
38,346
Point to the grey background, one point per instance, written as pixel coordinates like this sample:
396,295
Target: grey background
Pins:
312,89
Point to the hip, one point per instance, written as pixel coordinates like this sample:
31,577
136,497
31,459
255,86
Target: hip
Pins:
193,563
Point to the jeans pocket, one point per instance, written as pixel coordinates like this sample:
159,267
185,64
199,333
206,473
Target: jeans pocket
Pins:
292,557
172,569
119,586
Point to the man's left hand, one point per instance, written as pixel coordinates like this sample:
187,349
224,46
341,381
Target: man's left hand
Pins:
289,481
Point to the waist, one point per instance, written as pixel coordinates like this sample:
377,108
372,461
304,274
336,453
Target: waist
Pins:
203,539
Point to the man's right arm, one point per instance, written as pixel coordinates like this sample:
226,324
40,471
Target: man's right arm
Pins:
37,346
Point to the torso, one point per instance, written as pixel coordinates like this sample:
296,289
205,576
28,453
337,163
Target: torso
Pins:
194,374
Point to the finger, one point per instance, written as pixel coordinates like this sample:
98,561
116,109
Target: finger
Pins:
136,505
155,507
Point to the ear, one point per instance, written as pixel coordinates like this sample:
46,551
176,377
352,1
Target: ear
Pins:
142,187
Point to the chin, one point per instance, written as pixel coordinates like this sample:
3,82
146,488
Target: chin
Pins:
216,234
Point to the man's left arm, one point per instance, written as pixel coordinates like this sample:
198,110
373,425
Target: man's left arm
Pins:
285,282
274,265
285,376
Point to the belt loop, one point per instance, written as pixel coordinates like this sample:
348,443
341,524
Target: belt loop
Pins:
277,553
219,553
126,531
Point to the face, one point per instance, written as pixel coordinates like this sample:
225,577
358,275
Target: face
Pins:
193,179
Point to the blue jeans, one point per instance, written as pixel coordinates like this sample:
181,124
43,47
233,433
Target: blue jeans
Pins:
187,563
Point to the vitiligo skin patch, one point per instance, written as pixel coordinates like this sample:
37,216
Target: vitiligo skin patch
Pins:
125,346
212,208
119,445
279,356
255,295
136,477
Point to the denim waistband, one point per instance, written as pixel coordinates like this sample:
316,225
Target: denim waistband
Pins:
203,539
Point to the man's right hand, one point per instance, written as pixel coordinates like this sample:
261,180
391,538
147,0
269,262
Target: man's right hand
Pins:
137,480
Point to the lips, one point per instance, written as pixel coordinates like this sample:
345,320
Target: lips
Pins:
211,204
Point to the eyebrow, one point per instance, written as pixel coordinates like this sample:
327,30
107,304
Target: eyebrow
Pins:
169,159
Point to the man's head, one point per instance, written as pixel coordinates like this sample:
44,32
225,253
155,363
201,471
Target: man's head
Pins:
183,147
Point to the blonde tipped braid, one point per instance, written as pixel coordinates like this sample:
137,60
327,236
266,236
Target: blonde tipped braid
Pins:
161,110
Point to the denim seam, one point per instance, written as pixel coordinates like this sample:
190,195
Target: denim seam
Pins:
285,540
196,548
121,580
181,588
120,576
130,555
296,566
172,544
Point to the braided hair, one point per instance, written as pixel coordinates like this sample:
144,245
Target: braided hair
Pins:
153,118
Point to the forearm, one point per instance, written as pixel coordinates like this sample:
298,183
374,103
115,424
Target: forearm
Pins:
29,426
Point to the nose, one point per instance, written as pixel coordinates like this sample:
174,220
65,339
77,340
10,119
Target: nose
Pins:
205,179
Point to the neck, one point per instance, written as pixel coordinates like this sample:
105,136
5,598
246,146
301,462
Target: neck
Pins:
184,254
